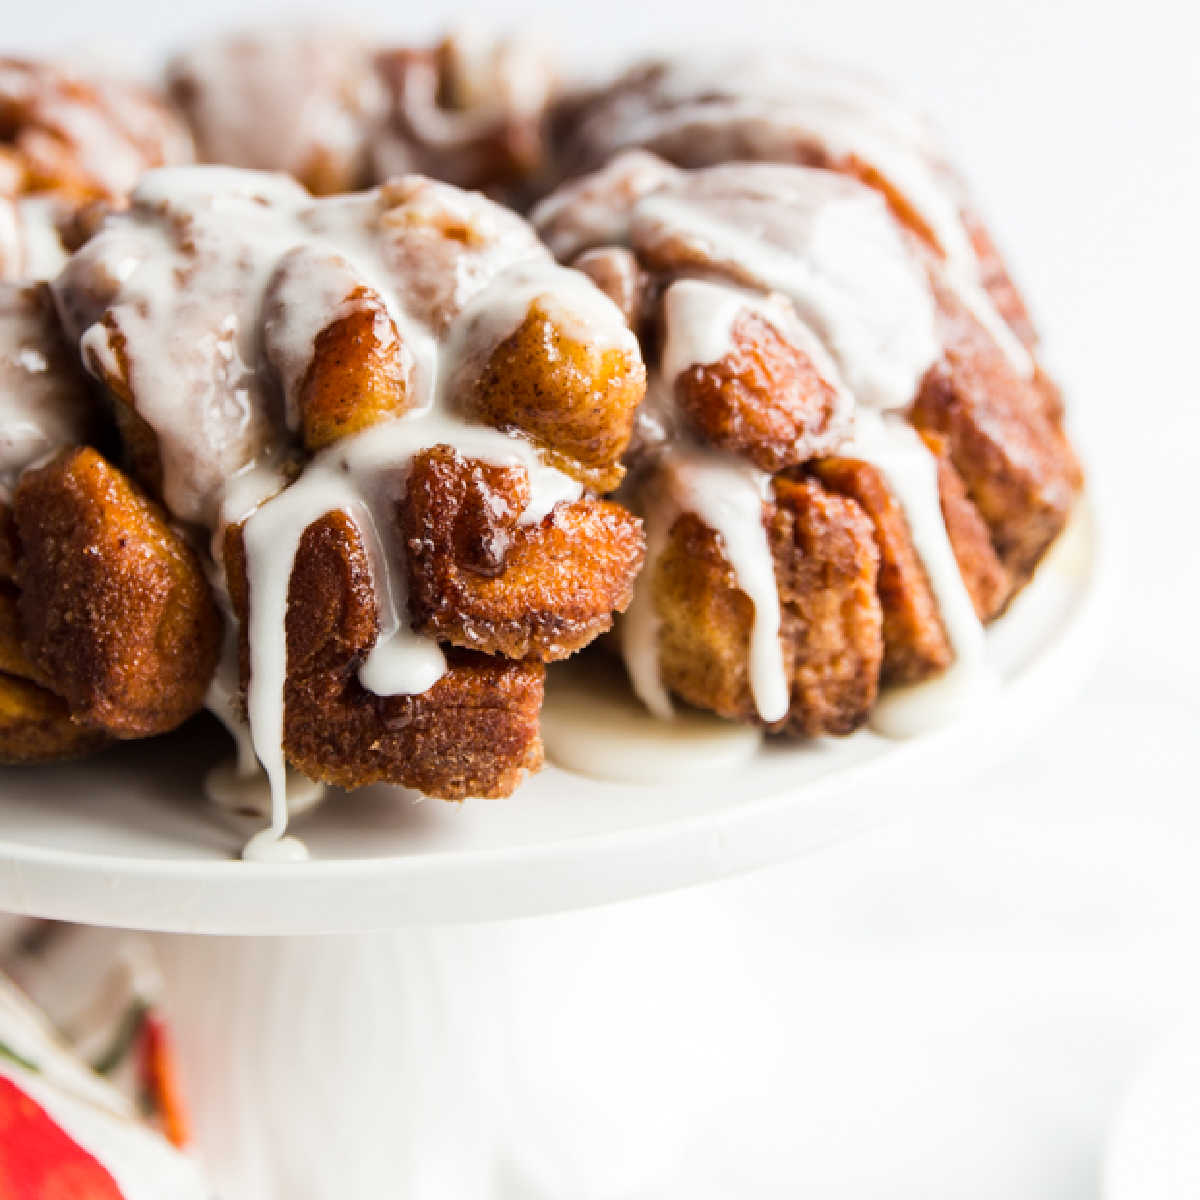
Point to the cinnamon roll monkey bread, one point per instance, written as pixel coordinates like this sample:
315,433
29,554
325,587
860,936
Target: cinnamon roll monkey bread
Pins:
348,454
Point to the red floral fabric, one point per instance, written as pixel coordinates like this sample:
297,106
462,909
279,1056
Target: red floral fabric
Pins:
38,1161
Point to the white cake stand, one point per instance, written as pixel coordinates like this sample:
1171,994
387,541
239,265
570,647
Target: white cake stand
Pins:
372,1063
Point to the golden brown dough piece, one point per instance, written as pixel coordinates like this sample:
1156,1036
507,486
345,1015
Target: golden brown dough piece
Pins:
77,548
915,643
765,399
480,580
998,283
1003,440
35,724
296,100
355,379
115,611
826,567
474,733
906,312
469,111
573,399
776,108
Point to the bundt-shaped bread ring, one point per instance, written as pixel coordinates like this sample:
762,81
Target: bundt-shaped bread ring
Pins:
339,113
66,141
820,367
388,408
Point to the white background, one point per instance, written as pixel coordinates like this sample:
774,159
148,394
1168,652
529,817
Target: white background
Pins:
953,1005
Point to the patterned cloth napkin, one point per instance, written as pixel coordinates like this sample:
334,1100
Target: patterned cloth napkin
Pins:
89,1101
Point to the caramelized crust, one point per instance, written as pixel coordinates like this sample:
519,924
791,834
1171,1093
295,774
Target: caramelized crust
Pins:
480,579
705,622
114,606
356,378
474,733
915,642
982,572
826,566
36,726
1019,469
764,400
14,660
574,400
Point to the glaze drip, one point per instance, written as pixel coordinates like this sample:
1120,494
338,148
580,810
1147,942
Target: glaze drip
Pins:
822,258
204,303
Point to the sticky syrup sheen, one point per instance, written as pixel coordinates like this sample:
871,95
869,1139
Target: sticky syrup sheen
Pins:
213,272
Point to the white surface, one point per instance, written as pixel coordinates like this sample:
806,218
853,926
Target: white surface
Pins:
146,852
1154,1151
953,1004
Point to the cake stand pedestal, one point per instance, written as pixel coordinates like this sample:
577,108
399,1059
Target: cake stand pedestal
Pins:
376,1061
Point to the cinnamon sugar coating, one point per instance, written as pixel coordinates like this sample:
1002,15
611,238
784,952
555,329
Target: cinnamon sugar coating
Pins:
474,733
356,378
572,398
1004,437
764,400
826,565
481,580
115,611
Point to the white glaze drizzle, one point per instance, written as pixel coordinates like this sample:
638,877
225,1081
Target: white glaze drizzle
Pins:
591,724
729,496
706,110
638,628
30,244
830,246
113,129
892,445
363,476
727,493
252,255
